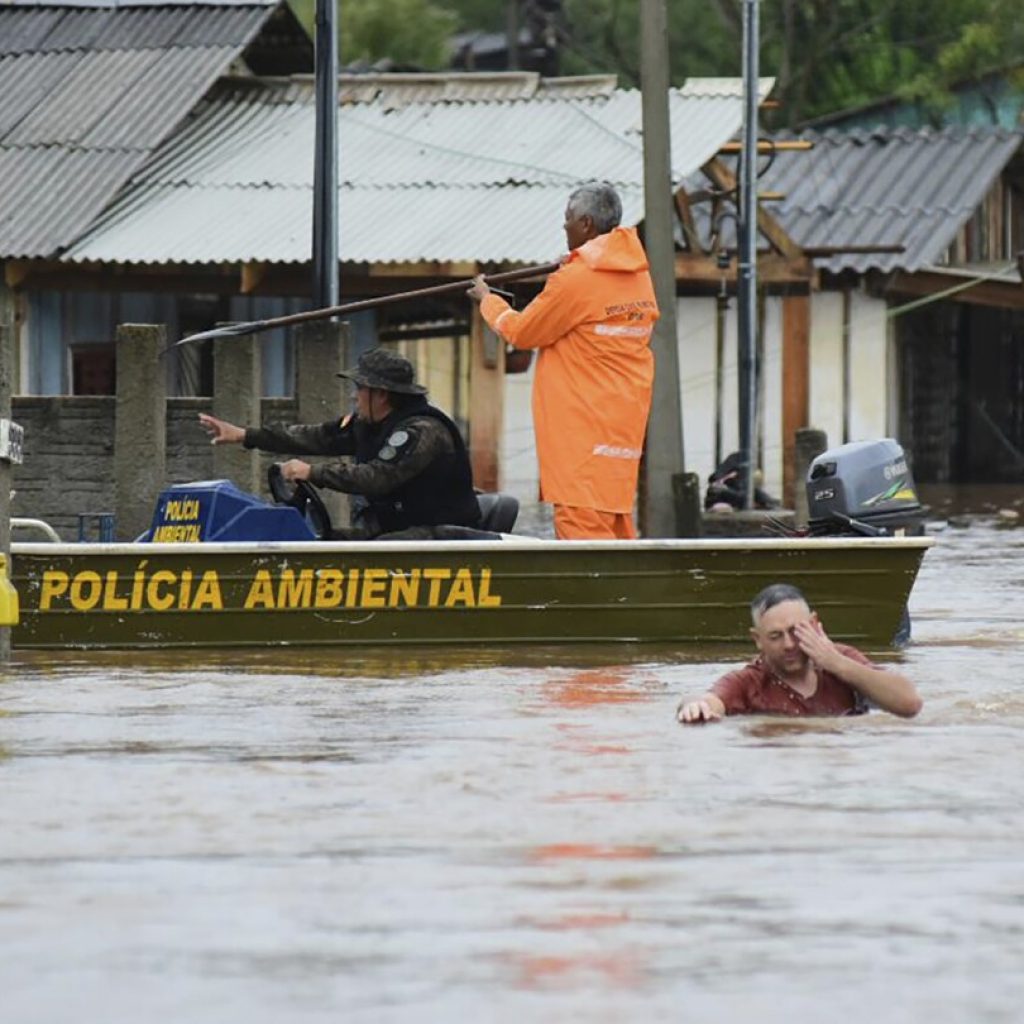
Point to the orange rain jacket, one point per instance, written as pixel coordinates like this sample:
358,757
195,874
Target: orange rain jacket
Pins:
592,388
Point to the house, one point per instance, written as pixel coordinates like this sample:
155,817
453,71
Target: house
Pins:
924,342
446,174
441,175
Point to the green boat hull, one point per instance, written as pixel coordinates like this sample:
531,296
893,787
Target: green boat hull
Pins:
77,596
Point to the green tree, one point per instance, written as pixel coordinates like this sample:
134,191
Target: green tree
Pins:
409,32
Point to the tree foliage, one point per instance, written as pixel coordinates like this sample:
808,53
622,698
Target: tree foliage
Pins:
826,55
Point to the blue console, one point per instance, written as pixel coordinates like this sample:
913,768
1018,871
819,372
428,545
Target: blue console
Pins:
216,510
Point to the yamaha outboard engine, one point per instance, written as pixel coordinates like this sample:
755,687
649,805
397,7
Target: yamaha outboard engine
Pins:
864,488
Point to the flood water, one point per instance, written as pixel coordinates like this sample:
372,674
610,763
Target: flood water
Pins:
517,836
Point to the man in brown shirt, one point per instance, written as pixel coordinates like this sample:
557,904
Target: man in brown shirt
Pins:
800,671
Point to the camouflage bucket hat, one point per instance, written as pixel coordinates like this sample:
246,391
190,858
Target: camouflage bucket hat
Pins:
386,371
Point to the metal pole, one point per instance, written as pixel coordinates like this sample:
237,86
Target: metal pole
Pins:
512,33
747,283
664,456
325,160
6,388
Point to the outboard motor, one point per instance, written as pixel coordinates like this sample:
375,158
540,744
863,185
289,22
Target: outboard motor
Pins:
864,488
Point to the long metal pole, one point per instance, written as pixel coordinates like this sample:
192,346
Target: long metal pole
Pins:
325,159
329,312
664,455
747,284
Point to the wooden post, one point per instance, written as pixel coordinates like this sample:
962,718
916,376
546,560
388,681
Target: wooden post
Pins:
796,330
689,509
140,427
663,458
486,403
237,389
810,443
321,351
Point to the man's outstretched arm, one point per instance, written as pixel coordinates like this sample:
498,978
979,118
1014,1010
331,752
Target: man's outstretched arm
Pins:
708,708
891,691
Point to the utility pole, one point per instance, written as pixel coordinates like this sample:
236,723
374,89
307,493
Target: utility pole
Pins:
747,284
664,456
325,159
512,33
10,454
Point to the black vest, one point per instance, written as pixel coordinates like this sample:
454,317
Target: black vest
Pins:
442,493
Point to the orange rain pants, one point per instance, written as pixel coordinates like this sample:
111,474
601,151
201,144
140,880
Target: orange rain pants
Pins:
572,523
592,387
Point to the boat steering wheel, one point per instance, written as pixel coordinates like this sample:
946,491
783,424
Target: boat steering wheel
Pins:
302,495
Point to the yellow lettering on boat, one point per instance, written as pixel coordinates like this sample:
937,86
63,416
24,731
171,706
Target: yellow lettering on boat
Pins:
462,590
353,589
295,592
86,589
177,534
435,576
208,592
55,583
154,598
375,582
261,591
485,599
328,588
404,588
112,601
138,586
185,590
188,591
182,511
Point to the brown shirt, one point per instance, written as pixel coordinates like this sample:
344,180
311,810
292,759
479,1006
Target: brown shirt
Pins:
755,688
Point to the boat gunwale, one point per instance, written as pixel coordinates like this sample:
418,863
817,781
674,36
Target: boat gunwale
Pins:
461,548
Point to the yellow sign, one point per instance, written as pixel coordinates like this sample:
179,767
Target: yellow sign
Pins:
180,522
286,589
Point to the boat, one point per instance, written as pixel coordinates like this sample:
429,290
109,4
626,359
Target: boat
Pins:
508,591
222,568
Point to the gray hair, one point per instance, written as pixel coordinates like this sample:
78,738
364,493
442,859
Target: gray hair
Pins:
598,201
776,593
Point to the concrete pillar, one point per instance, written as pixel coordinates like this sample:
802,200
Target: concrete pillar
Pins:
486,402
140,427
322,349
810,443
237,389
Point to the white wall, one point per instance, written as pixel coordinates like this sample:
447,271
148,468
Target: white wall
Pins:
826,383
695,329
869,368
697,376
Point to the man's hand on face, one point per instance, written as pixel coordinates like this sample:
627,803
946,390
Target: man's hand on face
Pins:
295,469
478,291
696,711
815,643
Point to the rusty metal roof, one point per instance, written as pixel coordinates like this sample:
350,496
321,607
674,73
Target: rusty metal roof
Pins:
467,176
887,187
90,88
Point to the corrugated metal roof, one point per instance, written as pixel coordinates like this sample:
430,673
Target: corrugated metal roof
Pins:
90,89
463,180
398,90
887,187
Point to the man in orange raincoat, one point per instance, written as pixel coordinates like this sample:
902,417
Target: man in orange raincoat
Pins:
592,388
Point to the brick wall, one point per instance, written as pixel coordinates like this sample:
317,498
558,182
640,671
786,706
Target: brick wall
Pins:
69,454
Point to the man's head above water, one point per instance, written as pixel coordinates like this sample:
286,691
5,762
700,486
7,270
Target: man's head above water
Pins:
775,613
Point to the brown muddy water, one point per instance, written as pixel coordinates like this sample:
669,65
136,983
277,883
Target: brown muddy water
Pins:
517,836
